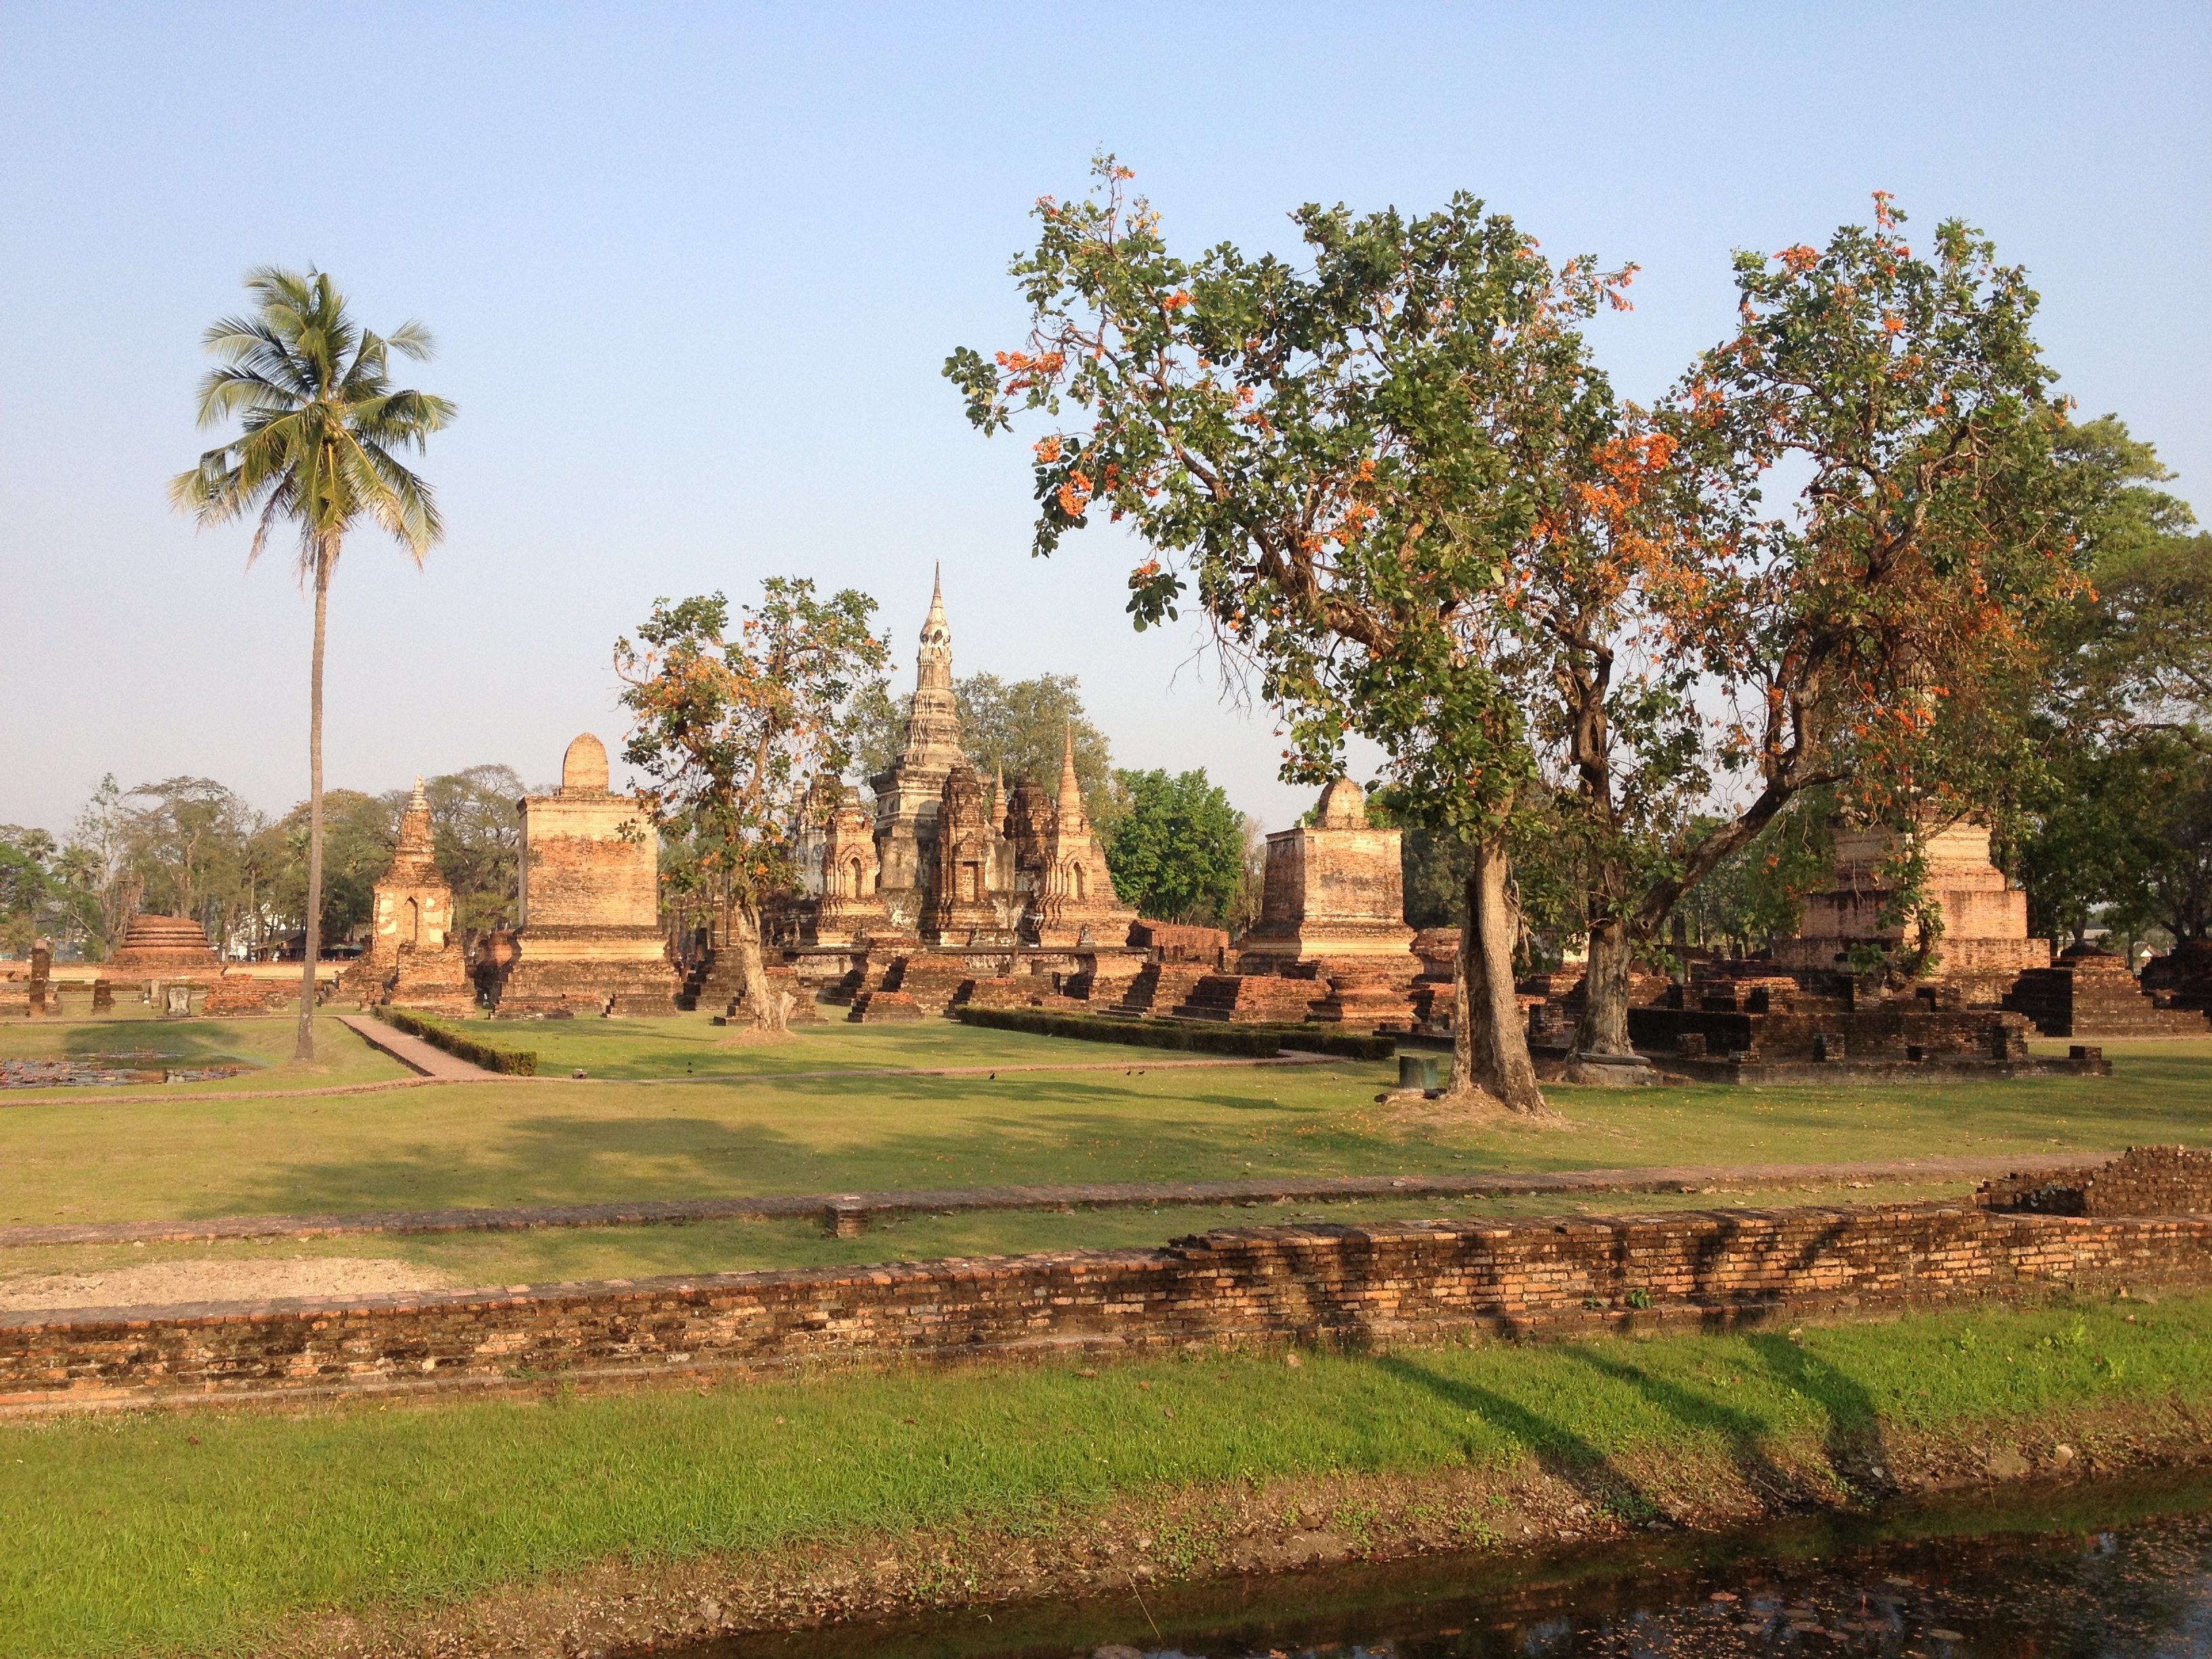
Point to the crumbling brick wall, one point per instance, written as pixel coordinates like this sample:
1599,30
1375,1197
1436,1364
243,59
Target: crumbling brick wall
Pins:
2144,1180
1347,1286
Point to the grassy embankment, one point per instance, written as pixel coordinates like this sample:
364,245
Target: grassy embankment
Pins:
616,1516
553,1141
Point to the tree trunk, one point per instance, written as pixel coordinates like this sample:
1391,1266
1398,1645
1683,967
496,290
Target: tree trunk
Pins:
761,1000
304,1048
1490,1048
1603,1029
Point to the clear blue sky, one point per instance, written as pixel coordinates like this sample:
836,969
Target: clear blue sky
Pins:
694,270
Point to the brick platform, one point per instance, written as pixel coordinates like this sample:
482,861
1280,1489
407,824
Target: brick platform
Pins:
1332,1285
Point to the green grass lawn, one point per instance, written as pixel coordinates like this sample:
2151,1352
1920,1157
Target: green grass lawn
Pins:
553,1140
159,1532
690,1045
551,1254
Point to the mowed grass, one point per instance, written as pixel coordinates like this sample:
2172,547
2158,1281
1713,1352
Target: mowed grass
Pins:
554,1141
206,1532
692,1045
554,1254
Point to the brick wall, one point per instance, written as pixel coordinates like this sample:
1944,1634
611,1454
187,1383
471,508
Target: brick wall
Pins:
2144,1180
1331,1284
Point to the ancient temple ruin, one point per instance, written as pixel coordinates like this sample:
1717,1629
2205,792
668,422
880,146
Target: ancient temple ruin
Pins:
958,887
1984,945
412,959
589,939
909,792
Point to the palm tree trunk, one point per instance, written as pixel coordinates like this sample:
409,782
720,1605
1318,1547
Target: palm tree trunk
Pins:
304,1049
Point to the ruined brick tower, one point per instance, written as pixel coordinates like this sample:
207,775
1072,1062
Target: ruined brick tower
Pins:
412,960
589,940
1074,902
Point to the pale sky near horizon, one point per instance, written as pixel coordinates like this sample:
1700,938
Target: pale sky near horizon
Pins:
693,270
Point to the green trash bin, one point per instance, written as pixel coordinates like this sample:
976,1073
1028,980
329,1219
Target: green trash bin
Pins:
1421,1071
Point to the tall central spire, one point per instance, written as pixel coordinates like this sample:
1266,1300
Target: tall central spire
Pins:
1072,815
933,732
936,634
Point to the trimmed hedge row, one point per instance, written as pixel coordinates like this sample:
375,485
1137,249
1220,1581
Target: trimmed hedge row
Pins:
1249,1041
515,1062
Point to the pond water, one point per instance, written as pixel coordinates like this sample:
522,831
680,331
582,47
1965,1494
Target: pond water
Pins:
128,1066
2089,1571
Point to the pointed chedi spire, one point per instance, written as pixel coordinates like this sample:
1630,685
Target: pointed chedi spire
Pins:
999,805
415,829
1071,791
935,630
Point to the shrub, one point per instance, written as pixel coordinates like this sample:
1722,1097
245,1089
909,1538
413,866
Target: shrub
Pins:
1251,1042
515,1062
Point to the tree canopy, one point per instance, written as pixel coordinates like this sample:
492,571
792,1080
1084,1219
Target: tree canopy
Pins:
1177,853
731,725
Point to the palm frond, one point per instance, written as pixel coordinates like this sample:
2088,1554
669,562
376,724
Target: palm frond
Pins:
318,419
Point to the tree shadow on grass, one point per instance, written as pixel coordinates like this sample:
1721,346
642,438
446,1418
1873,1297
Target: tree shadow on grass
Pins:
1852,1436
900,1135
1744,1433
1561,1453
173,1039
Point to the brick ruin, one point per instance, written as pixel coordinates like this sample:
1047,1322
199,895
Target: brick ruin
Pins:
1734,1027
1985,945
2090,992
1331,944
2140,1222
590,938
169,960
413,959
1802,1013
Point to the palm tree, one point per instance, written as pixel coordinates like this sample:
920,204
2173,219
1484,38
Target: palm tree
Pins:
321,421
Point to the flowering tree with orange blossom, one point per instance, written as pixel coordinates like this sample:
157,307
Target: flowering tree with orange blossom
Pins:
1861,638
1397,486
1347,465
732,727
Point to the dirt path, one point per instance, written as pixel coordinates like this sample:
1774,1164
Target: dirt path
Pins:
162,1284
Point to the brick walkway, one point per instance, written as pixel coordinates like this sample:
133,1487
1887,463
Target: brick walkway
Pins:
413,1052
850,1212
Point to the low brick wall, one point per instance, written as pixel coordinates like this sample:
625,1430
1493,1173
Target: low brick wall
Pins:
1337,1286
2142,1181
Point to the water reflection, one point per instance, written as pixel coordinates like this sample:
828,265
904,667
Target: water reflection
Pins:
2066,1583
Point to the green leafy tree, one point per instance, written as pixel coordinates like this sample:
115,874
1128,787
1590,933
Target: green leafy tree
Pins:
2105,809
1019,727
322,429
1177,853
1756,894
27,886
184,840
477,836
360,833
1864,635
1342,464
731,725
